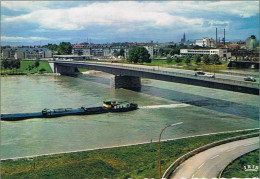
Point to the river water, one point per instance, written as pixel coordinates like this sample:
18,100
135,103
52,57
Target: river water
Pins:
202,110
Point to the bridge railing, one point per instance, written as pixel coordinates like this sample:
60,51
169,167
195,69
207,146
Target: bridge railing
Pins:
156,70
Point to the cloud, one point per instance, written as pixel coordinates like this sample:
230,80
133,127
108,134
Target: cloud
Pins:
22,39
125,17
116,14
27,6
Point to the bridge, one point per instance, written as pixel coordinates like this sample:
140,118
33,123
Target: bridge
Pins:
129,76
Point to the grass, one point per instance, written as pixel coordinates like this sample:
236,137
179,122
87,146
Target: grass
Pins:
183,65
236,168
139,161
24,68
82,69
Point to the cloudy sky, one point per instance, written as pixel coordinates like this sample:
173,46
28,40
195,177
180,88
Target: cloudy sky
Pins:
42,22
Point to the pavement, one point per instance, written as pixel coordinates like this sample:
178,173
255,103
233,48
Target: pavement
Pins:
209,163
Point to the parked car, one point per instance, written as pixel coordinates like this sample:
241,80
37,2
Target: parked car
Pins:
250,78
200,73
209,75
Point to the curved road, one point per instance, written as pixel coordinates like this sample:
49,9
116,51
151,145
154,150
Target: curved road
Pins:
209,163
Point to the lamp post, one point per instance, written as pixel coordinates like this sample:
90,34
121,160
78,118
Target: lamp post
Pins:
160,169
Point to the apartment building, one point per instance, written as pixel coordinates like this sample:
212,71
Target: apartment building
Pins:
26,53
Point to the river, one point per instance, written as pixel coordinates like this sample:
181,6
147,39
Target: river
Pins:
202,110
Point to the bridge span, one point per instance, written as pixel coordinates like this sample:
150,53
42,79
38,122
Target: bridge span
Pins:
129,76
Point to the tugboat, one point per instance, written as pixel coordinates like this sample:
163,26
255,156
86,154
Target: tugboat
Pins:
114,106
108,106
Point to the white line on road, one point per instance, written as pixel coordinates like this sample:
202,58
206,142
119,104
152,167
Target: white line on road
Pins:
249,144
201,165
231,149
214,156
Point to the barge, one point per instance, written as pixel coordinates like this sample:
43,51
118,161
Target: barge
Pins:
108,106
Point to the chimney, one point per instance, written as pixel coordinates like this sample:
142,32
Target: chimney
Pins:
224,37
216,36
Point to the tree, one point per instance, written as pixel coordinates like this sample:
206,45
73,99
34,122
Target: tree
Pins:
197,59
178,60
122,52
17,64
169,60
187,60
37,63
5,63
65,48
139,54
215,59
206,59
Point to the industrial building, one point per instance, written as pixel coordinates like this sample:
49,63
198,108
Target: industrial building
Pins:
220,52
205,42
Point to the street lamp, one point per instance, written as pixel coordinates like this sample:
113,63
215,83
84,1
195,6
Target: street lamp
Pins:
160,169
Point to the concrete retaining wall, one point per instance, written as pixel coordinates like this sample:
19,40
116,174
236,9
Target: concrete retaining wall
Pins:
180,160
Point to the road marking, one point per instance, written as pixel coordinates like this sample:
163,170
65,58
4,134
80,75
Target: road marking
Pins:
201,165
231,149
214,156
249,144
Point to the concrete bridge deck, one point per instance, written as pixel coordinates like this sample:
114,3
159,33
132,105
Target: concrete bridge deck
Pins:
221,81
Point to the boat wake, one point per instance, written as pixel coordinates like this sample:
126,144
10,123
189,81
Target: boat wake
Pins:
180,105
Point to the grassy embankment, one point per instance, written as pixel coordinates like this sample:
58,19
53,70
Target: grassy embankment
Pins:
27,67
137,161
191,66
236,168
183,65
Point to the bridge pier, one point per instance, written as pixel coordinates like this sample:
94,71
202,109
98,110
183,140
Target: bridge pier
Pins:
63,70
127,82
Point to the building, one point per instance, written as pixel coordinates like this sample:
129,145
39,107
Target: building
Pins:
220,52
205,42
108,50
26,53
252,43
183,39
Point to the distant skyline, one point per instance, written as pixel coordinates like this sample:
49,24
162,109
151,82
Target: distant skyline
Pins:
43,22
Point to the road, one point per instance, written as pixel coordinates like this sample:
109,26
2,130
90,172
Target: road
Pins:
209,163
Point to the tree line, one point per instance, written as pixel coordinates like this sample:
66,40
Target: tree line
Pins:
64,48
11,64
16,64
206,59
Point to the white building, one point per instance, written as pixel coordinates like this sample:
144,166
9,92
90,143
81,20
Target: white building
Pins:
220,52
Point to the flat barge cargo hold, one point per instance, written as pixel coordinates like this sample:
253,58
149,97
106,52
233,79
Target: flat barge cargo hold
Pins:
108,106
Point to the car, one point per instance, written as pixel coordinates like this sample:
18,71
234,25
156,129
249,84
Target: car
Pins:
200,73
250,78
209,75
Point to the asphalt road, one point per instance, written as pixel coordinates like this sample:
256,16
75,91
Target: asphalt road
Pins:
210,163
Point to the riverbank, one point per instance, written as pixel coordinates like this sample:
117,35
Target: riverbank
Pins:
137,161
28,67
